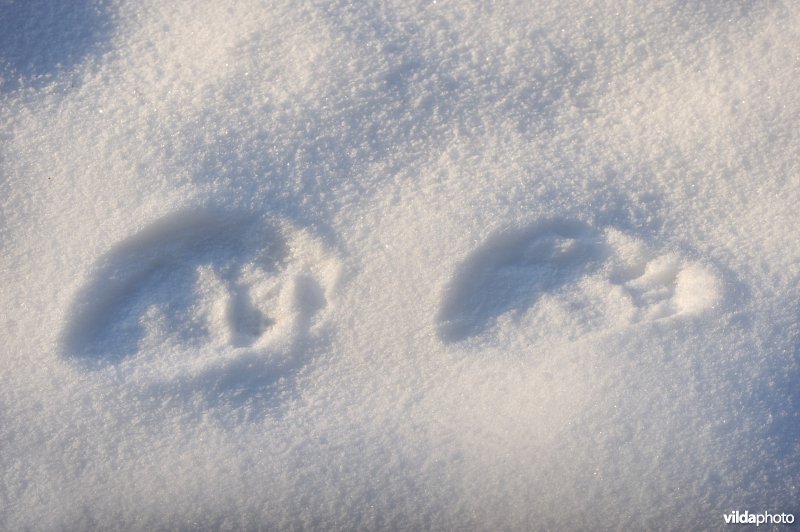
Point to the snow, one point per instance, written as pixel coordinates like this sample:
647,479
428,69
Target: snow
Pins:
404,265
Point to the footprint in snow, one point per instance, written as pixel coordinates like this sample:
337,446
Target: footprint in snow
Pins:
511,270
222,298
521,275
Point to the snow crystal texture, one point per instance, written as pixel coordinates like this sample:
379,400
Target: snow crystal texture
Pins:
398,265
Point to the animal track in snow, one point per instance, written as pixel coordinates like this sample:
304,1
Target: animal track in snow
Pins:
660,286
203,294
511,270
564,279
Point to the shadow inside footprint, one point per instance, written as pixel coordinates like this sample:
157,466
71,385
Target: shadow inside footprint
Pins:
511,270
154,277
247,321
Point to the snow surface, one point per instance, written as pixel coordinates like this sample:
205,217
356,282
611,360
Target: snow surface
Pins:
370,265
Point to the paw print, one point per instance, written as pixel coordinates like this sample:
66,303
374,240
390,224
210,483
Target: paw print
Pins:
216,299
566,280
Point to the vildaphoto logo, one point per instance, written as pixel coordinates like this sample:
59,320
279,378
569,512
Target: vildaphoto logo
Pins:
746,518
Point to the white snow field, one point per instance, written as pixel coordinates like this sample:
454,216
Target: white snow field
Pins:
369,265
